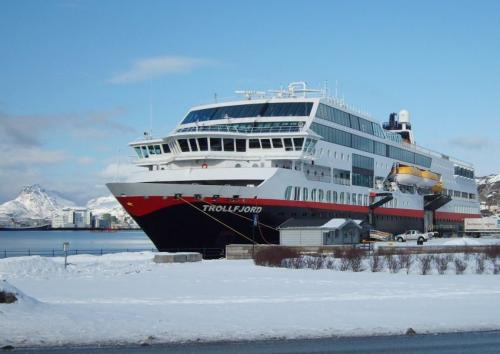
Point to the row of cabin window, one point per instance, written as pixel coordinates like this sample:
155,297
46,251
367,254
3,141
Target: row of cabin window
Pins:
319,195
354,141
145,151
465,209
464,172
458,194
349,120
239,145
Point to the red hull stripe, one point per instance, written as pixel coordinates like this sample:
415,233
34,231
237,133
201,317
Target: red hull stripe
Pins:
140,206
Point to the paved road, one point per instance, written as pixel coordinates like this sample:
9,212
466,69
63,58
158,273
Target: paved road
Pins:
470,342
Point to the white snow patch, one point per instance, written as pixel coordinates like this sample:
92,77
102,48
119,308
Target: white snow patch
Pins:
126,298
465,241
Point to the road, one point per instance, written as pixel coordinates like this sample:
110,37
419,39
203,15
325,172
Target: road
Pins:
468,342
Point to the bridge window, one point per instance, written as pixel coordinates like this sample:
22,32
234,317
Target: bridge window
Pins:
334,196
288,193
277,143
254,143
294,109
166,148
203,144
192,143
183,144
313,195
265,143
328,196
298,142
138,151
145,152
228,144
215,144
321,195
305,194
288,144
241,145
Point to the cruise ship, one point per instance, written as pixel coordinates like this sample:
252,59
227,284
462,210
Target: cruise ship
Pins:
232,172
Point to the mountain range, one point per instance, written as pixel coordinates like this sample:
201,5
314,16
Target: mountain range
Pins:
489,191
34,202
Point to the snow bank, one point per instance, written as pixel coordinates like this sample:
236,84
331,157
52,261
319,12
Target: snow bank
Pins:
465,241
22,299
126,299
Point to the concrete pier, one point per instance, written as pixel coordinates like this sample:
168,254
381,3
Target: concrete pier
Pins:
179,257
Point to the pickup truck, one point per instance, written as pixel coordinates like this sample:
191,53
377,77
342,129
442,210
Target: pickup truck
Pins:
414,235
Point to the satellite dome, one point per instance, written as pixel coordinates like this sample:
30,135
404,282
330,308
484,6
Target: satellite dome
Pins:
404,116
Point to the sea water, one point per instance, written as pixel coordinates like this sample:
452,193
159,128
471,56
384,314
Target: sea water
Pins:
51,242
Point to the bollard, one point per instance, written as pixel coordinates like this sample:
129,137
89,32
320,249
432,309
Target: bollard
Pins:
65,249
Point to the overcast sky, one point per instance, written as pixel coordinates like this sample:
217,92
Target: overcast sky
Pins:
77,77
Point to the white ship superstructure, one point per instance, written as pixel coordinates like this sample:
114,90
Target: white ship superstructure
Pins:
295,153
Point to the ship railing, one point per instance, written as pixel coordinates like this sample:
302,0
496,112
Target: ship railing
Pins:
244,130
341,181
418,148
5,253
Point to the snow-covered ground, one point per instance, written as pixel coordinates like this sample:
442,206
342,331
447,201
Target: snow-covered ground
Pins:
126,298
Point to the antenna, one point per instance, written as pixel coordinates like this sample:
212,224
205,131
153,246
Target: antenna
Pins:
151,107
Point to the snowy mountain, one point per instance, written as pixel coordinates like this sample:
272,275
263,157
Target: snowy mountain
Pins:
106,205
34,202
489,191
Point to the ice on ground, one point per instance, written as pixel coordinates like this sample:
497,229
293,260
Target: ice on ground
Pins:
127,298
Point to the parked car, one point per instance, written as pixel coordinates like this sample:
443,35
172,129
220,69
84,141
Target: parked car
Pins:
414,235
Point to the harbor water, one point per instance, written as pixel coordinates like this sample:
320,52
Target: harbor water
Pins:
48,243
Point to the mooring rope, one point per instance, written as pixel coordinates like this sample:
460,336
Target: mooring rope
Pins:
217,220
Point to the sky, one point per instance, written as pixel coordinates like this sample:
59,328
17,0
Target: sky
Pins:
79,80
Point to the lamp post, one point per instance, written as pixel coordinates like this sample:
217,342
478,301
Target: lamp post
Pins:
65,249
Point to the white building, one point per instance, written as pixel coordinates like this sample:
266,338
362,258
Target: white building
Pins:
72,218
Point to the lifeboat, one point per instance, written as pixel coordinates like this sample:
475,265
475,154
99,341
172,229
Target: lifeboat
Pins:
437,188
408,175
429,179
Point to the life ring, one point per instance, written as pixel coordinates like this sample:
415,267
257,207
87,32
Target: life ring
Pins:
204,165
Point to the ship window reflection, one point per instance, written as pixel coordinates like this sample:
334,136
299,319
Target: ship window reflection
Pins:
145,152
157,150
288,144
138,151
151,149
